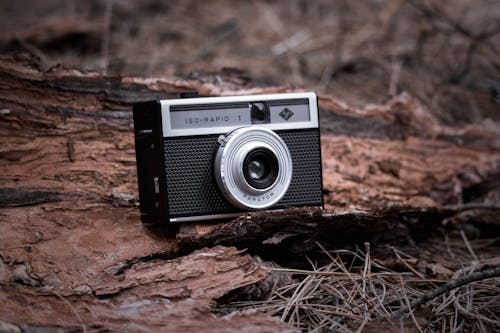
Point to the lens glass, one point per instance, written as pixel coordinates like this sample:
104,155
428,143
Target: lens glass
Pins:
256,169
260,168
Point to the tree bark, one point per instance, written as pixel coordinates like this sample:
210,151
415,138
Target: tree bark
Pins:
74,255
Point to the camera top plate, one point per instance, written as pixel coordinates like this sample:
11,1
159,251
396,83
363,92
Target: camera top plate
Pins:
214,115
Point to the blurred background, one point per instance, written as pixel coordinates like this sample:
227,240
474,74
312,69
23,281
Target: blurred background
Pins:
445,53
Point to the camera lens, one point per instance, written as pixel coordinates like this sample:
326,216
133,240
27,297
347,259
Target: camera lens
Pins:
260,168
253,167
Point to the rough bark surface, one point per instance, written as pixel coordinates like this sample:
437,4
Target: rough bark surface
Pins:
74,255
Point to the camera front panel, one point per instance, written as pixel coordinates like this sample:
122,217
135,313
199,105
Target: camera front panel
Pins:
192,188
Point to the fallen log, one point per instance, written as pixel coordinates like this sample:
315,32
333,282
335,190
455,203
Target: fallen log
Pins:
74,255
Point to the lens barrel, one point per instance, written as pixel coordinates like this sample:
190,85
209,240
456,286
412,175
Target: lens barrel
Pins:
253,167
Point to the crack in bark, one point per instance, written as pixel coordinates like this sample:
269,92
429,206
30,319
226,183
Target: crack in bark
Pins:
15,197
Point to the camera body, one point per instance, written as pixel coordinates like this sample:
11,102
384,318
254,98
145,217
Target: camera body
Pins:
216,157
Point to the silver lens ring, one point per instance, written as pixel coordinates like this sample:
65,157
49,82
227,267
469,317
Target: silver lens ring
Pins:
229,167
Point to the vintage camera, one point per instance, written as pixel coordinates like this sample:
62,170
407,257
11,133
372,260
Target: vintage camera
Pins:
216,157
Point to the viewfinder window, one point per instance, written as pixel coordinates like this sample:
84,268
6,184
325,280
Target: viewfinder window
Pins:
259,112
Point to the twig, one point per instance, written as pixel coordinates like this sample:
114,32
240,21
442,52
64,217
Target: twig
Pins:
448,248
477,276
72,308
225,30
469,248
45,61
336,61
403,261
475,316
395,73
108,13
407,301
291,42
472,205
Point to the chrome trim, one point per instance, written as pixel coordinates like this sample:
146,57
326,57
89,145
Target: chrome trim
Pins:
205,217
228,167
201,218
169,132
